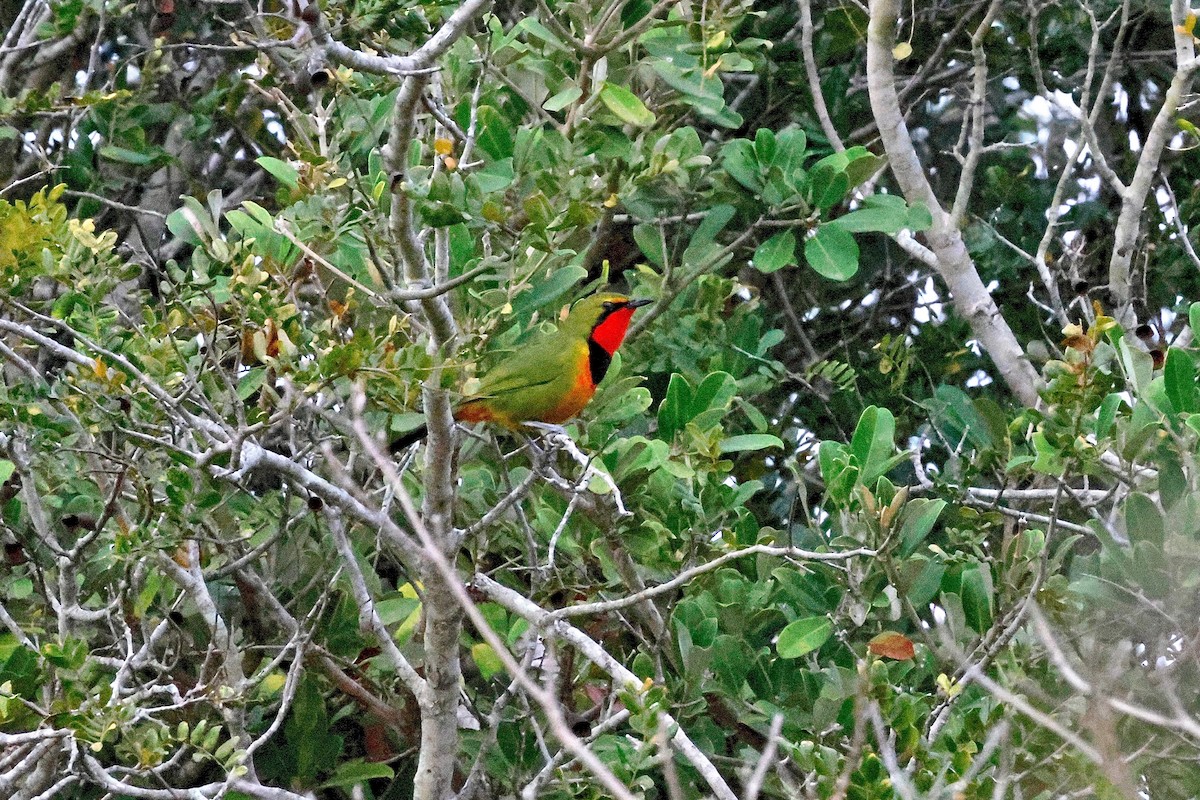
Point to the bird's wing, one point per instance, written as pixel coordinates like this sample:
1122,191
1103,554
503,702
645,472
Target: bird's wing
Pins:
535,364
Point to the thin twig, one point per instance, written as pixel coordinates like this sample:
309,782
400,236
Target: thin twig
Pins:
688,575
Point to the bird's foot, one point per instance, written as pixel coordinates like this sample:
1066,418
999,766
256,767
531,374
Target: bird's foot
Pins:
547,427
545,438
558,438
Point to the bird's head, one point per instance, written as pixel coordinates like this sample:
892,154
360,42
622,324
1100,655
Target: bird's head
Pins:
603,318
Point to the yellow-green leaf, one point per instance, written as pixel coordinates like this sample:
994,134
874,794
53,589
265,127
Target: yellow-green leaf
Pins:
626,105
803,636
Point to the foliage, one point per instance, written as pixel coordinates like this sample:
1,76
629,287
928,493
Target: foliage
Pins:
805,540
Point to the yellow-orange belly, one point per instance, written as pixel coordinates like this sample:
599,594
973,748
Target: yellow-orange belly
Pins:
573,401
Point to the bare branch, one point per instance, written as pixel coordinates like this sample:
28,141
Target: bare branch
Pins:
368,615
971,298
439,566
1181,228
977,112
765,760
814,77
887,750
545,621
1129,222
1020,704
687,576
421,60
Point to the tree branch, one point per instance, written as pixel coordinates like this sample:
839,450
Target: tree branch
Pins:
977,111
970,296
1129,222
544,621
420,61
814,77
687,576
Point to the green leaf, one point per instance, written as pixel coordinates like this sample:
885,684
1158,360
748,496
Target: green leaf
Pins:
282,171
873,445
495,132
1150,569
713,223
832,252
750,441
486,659
764,145
1173,485
706,403
739,160
703,248
921,578
790,146
125,156
1138,366
559,282
649,239
356,772
191,223
832,458
861,164
307,732
258,213
857,164
6,469
689,82
803,636
1143,520
495,176
249,383
682,71
245,224
462,247
919,218
775,253
731,661
713,393
712,108
1179,375
396,609
626,105
1107,414
977,598
957,419
711,401
839,474
1049,460
539,31
827,187
673,411
919,517
885,213
563,99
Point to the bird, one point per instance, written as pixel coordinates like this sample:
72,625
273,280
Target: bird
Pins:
551,379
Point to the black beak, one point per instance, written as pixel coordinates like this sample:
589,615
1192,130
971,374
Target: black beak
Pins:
638,303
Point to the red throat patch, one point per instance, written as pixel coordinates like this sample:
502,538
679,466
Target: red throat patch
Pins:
611,332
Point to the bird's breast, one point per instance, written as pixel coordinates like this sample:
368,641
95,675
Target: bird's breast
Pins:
578,394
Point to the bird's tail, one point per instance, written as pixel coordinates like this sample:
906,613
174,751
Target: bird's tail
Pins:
412,437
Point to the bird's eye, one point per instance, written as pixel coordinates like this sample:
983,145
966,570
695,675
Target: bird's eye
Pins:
609,305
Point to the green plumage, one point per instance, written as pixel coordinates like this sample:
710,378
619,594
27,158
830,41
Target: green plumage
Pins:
551,378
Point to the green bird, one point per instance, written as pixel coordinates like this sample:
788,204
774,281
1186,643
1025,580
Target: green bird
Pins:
552,378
